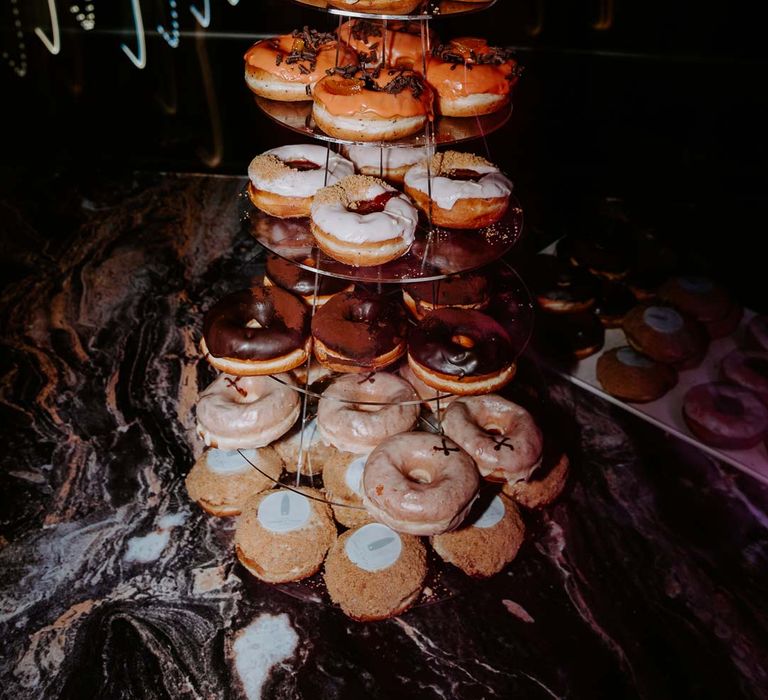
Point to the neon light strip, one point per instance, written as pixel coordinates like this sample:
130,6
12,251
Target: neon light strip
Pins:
53,46
139,60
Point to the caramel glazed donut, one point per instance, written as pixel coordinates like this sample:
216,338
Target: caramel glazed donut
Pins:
398,44
262,330
286,67
283,180
467,191
380,105
363,221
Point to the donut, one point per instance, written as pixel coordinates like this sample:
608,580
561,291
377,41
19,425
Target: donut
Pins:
487,541
630,376
312,288
244,412
313,375
544,485
343,486
614,302
427,394
499,435
261,330
363,221
377,7
643,284
359,332
699,297
373,573
560,287
471,78
283,180
380,105
356,413
389,164
467,291
747,369
305,445
396,44
283,535
757,334
666,335
222,480
725,416
603,247
466,191
286,67
419,483
569,336
461,351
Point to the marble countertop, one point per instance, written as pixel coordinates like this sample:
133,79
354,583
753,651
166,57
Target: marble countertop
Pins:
648,578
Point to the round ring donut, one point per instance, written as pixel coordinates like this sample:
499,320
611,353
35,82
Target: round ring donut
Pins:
419,483
467,191
461,351
355,414
501,436
398,44
242,412
377,7
468,291
313,288
390,164
262,330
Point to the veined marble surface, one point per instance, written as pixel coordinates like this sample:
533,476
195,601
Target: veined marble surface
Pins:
649,578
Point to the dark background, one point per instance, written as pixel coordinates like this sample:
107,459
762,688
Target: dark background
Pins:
664,108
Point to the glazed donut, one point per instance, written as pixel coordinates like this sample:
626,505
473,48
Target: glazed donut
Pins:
747,369
363,221
467,191
560,287
468,291
286,67
355,415
500,436
243,412
283,180
470,77
377,7
312,288
396,44
389,164
262,330
383,105
428,395
460,351
419,483
544,485
359,332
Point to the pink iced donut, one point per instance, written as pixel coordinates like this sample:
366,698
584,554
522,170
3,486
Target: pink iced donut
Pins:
357,412
419,483
243,412
501,436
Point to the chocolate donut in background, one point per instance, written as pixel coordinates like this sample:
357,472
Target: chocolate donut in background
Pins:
467,291
560,287
308,285
614,302
569,336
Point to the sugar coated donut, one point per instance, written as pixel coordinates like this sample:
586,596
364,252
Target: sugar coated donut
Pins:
381,105
241,412
397,44
544,485
725,416
285,67
283,535
419,483
313,288
356,413
487,541
460,351
467,191
389,164
363,221
499,435
747,369
470,77
467,291
343,485
222,480
283,180
359,332
631,376
374,573
262,330
305,446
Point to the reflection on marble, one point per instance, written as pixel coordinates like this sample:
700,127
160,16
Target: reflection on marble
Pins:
649,578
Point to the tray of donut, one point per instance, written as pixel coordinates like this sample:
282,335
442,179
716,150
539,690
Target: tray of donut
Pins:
622,317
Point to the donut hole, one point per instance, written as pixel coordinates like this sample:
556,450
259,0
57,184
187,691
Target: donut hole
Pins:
463,340
493,430
420,476
368,407
728,405
302,165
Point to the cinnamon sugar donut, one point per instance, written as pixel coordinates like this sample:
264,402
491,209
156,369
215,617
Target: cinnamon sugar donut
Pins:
544,485
343,485
304,445
467,191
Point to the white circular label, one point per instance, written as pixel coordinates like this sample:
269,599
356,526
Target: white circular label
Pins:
697,285
284,511
229,461
374,547
627,356
491,515
353,477
663,319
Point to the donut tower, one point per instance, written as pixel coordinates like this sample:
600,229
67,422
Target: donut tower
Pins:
356,427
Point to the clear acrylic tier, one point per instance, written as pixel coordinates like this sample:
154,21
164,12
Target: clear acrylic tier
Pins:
427,10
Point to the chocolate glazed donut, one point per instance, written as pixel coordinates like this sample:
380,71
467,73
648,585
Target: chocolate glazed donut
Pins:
304,283
359,332
262,330
461,351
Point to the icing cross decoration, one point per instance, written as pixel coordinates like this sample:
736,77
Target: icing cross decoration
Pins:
370,377
234,384
445,449
504,442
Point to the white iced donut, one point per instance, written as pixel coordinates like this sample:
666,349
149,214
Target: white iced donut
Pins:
391,164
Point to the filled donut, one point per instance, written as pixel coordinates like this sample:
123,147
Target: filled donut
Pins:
396,44
466,191
261,330
313,288
363,221
467,291
283,180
